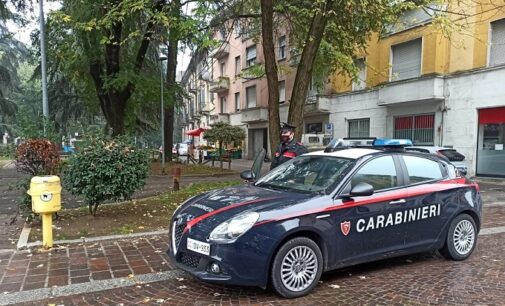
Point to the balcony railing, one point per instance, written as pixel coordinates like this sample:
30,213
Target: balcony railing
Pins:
220,84
415,90
256,114
222,51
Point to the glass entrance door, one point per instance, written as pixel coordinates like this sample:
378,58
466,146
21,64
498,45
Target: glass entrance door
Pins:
491,145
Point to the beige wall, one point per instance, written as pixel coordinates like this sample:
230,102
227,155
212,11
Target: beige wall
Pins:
238,47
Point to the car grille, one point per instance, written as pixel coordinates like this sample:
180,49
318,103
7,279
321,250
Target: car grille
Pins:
177,231
190,260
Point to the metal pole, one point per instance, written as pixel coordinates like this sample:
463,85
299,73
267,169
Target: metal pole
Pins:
45,107
162,123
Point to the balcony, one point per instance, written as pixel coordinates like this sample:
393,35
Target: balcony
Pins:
221,118
316,106
256,114
415,90
221,84
222,51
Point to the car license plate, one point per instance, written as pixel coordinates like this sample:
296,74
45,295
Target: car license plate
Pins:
198,246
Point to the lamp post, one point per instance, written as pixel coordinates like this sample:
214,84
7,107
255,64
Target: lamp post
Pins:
45,107
162,58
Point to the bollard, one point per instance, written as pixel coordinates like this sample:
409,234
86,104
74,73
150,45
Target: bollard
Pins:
46,200
176,172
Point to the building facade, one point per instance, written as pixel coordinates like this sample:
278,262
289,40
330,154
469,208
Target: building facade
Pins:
420,83
236,94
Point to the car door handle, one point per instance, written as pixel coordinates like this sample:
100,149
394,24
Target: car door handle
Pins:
401,201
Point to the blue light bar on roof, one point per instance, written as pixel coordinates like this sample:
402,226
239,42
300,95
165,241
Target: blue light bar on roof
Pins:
384,142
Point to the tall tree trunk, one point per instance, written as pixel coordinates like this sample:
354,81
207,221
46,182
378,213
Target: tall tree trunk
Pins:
304,69
271,72
173,42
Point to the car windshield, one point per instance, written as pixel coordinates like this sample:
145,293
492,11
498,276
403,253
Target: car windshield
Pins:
306,174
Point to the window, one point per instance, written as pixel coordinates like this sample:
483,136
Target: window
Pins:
497,51
202,98
222,69
282,91
422,169
314,128
406,60
379,172
282,47
237,101
250,56
360,83
359,128
250,93
237,65
222,102
418,128
306,174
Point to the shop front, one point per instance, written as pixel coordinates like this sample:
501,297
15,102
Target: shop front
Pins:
491,142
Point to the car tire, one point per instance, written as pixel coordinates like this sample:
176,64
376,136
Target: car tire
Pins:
461,238
303,262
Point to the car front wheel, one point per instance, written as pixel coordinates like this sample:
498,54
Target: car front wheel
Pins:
461,238
297,267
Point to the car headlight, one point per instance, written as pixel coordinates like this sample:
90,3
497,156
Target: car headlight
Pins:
230,230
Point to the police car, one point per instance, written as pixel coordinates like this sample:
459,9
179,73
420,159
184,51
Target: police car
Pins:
325,210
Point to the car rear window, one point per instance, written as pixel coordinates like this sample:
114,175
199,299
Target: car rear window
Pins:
452,155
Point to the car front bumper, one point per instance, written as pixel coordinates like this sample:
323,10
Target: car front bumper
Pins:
242,263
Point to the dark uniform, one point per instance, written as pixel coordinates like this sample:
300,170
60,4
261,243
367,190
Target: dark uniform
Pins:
287,151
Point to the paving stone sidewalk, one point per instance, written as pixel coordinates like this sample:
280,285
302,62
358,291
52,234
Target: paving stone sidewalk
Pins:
82,263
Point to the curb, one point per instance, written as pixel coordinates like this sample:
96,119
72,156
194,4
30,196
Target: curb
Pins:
99,238
90,287
23,237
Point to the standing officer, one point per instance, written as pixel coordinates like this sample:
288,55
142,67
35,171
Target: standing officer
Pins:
289,148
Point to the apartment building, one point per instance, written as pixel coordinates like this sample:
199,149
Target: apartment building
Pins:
417,82
197,107
235,95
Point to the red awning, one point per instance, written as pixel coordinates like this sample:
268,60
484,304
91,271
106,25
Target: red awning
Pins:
492,115
195,132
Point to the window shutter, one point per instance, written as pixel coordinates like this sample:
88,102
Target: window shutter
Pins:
251,53
406,60
497,52
282,91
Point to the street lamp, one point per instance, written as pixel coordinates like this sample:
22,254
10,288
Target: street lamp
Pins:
162,58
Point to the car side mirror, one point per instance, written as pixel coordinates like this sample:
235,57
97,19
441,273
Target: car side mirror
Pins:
247,175
462,172
361,190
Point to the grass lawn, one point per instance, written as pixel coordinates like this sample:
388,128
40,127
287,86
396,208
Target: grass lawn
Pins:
129,217
189,169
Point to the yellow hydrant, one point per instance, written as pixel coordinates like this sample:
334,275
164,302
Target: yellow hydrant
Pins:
46,200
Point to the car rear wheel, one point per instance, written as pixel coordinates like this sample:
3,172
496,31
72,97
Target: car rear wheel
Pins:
296,268
461,238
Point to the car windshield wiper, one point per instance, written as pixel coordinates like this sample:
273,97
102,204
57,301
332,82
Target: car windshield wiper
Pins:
273,186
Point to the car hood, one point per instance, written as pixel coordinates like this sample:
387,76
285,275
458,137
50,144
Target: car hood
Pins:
217,206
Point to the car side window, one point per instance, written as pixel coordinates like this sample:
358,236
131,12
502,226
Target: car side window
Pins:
379,172
422,169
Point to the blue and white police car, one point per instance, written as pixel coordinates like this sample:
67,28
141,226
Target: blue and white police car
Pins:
325,210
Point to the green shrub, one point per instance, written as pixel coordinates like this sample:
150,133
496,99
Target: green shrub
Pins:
106,169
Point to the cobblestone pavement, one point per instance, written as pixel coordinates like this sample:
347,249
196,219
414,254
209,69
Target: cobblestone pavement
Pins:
84,269
414,280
